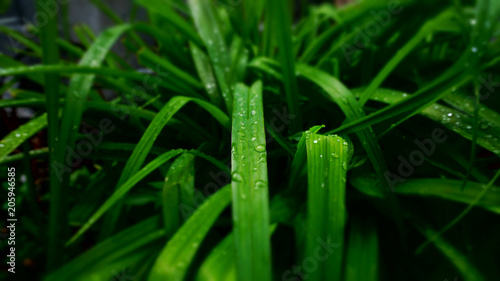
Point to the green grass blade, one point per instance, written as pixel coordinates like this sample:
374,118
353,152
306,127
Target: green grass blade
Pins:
249,184
175,258
362,253
220,265
208,27
177,189
15,138
348,104
167,13
147,140
280,21
124,188
48,36
326,173
205,72
458,259
426,29
471,205
122,244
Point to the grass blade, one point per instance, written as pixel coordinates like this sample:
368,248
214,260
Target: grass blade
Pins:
250,186
209,29
175,258
362,253
280,22
15,138
177,189
326,173
124,188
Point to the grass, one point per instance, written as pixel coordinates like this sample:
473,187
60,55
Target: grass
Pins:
175,148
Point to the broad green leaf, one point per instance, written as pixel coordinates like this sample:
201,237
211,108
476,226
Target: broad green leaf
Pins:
250,185
326,214
175,258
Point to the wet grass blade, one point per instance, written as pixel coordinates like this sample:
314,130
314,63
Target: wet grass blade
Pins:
15,138
337,92
250,185
208,27
175,258
177,189
326,214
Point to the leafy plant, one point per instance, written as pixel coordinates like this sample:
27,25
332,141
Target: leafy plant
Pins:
258,140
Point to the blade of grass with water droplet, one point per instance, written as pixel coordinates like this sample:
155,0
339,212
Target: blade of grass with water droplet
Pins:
250,185
207,24
205,72
177,189
175,258
326,214
15,138
348,104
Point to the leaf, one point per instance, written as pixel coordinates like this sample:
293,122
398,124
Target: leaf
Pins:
326,214
176,256
148,138
280,24
440,188
124,188
15,138
250,185
177,189
348,104
120,245
210,32
362,253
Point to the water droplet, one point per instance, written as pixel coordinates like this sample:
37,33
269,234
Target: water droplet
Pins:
236,177
472,22
335,155
259,184
315,141
321,155
260,148
474,49
18,135
484,126
344,165
253,112
2,145
345,143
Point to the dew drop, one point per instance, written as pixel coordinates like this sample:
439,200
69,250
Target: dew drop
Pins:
236,177
260,148
259,184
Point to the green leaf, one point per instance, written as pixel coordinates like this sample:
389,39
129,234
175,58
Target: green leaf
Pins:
250,186
177,189
124,188
280,22
15,138
362,252
326,214
209,29
175,258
